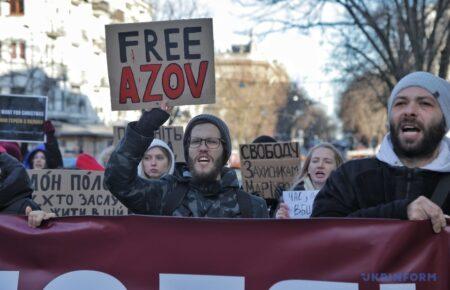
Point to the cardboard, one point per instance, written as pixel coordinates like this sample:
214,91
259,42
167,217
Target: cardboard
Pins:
161,60
74,193
266,166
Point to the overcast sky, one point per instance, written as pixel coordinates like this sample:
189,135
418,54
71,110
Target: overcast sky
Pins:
304,56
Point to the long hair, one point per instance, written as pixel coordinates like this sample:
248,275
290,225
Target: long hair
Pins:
304,171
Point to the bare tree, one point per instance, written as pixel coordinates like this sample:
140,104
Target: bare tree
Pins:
249,95
387,38
361,111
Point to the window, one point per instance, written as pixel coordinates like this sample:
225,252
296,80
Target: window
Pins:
22,49
13,50
18,49
16,7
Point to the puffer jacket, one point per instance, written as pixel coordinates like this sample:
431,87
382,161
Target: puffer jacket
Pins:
142,196
15,186
374,189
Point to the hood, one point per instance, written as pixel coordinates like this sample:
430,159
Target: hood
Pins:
29,156
158,143
387,155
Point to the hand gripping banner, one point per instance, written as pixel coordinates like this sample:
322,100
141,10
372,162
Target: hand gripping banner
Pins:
165,253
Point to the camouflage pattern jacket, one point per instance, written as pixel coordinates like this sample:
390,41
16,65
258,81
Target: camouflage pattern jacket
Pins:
143,196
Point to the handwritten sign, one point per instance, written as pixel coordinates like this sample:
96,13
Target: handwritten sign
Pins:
265,166
172,135
300,202
162,60
74,193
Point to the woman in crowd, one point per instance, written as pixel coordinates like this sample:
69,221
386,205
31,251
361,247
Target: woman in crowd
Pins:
157,161
321,160
45,155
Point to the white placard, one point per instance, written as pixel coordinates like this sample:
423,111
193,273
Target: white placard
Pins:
300,202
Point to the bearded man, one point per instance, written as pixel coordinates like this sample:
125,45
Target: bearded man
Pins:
414,157
206,189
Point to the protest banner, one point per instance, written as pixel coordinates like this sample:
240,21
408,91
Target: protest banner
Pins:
170,61
264,166
300,203
144,252
22,118
74,193
172,135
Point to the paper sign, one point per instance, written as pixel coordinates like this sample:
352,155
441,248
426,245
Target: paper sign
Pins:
162,60
22,118
265,166
300,203
74,193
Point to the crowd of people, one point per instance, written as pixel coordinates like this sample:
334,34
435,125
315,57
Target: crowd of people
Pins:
407,179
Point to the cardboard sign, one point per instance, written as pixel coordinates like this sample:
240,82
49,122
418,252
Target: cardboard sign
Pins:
300,202
118,133
74,193
264,166
22,118
162,60
173,136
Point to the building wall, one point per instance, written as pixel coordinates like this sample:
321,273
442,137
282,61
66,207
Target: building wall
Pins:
66,39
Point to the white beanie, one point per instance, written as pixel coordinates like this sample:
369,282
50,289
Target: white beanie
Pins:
438,87
162,144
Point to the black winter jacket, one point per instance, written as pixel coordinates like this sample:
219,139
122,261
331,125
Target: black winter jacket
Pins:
374,189
15,186
144,196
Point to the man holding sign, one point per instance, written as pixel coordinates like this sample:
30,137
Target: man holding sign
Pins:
207,189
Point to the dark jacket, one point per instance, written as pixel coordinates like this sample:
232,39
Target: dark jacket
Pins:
51,151
374,189
15,186
143,196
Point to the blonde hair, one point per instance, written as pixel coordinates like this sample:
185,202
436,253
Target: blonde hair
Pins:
304,172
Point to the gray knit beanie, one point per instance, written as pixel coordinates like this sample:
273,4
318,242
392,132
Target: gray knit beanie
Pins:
223,129
438,87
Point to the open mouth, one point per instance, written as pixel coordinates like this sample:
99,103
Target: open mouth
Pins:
410,130
203,159
320,174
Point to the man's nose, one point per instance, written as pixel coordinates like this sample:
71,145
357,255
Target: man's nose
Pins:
203,145
410,109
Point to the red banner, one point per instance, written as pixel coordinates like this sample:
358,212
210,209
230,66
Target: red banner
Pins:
165,253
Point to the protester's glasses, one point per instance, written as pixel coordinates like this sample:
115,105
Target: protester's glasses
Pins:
211,143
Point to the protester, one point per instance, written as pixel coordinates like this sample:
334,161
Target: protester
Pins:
207,189
414,156
16,189
157,161
321,160
45,155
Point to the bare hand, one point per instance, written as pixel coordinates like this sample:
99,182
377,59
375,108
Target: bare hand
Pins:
283,212
423,209
35,217
165,107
